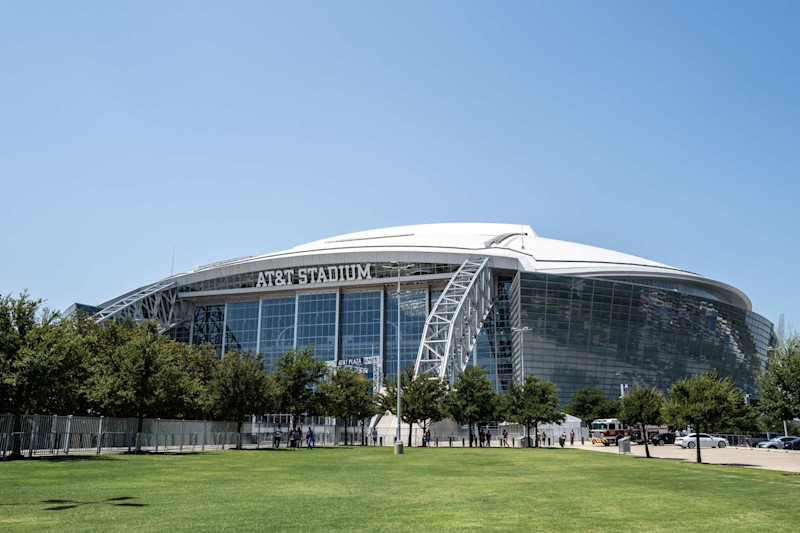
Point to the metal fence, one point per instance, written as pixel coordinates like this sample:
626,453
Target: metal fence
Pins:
53,435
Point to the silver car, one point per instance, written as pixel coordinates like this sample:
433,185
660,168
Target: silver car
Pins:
775,443
706,440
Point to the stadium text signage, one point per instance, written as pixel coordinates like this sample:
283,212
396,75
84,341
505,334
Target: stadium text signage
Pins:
323,274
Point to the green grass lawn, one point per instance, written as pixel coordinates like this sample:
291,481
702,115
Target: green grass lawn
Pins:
372,489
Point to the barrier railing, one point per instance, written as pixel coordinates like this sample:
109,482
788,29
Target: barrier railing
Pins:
51,435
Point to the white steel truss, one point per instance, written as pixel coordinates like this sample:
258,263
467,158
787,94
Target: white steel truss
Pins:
158,302
454,323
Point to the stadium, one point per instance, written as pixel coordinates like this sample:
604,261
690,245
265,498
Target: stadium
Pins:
495,295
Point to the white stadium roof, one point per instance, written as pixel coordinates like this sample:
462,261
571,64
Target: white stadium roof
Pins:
509,246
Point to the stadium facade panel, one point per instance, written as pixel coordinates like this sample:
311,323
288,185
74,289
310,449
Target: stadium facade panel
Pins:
494,295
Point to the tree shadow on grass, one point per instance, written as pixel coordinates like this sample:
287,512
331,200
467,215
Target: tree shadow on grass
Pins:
68,458
121,501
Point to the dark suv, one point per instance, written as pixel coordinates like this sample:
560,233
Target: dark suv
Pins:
792,444
663,438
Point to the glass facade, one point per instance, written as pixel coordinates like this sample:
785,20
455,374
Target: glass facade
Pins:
277,328
582,332
361,324
182,332
241,326
316,323
493,350
413,313
207,326
587,332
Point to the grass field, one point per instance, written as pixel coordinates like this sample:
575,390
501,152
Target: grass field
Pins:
371,489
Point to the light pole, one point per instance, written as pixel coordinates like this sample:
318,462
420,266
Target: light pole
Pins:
398,443
522,331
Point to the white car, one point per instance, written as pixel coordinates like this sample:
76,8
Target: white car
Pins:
706,440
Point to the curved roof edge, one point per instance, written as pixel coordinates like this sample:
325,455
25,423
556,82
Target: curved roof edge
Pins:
510,246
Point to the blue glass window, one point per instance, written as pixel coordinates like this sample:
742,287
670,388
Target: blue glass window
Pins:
316,324
414,311
207,328
277,328
361,324
241,327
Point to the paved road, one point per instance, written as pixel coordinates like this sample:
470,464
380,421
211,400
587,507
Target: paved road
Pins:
787,461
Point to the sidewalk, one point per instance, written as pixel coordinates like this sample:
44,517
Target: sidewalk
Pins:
784,460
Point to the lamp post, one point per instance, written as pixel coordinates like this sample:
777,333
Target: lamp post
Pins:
522,331
398,443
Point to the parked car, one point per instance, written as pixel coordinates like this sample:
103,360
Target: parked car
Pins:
759,437
775,443
792,444
690,441
663,438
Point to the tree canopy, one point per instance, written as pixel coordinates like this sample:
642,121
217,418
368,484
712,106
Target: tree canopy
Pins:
347,396
420,399
240,386
704,402
532,403
643,406
779,383
297,375
591,403
473,399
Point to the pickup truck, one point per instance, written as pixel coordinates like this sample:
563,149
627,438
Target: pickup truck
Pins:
760,437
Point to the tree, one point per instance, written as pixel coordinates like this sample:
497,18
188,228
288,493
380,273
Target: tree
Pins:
18,317
473,399
135,374
296,376
50,371
702,402
424,404
240,386
42,361
197,366
420,399
365,408
591,403
779,383
643,406
346,396
532,403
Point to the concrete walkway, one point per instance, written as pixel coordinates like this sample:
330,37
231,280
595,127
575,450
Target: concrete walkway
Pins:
785,460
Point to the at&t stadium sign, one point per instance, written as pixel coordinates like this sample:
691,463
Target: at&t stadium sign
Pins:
313,275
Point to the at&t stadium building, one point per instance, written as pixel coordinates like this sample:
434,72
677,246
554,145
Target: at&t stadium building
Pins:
494,295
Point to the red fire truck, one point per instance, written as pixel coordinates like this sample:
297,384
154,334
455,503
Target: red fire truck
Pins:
607,431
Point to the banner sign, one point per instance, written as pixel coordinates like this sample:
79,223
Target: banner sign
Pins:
313,275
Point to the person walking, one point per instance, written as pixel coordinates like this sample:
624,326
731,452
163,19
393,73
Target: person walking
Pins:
277,433
562,439
481,436
310,438
505,439
488,438
571,437
292,432
374,436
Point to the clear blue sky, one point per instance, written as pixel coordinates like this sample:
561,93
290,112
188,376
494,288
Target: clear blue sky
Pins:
667,130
